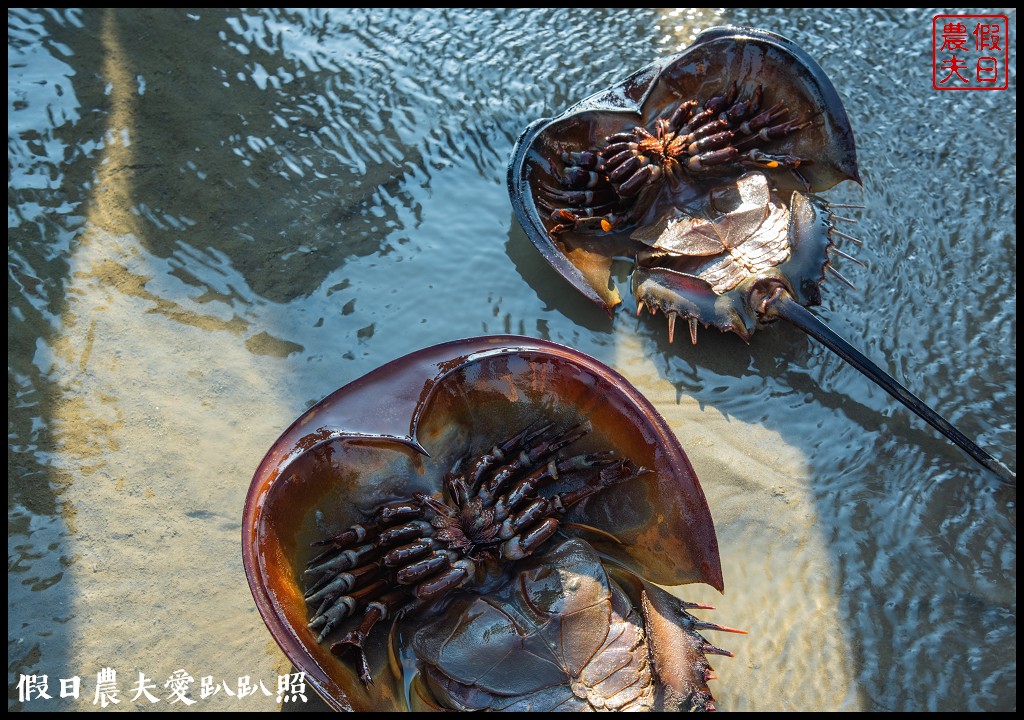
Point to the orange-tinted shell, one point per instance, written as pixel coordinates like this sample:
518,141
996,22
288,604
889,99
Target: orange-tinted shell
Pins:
397,430
717,59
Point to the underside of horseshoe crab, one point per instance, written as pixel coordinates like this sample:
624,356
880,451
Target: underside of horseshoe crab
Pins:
491,512
565,634
648,170
704,170
503,473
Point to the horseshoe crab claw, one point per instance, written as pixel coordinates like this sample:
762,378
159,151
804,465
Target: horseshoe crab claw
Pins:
435,481
703,169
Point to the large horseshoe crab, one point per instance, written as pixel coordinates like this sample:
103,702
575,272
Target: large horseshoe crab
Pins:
705,168
478,525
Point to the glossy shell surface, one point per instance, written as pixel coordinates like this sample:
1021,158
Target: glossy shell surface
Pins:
397,430
718,60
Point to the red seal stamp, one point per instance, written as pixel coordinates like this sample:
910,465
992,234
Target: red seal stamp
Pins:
970,52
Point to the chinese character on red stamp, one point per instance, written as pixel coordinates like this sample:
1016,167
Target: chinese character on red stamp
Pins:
970,52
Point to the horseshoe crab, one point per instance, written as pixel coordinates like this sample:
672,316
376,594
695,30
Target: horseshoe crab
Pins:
704,168
477,498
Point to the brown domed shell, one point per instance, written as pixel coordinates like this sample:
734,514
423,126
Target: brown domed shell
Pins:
718,60
398,429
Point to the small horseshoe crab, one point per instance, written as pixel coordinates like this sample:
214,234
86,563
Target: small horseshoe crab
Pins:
704,169
478,525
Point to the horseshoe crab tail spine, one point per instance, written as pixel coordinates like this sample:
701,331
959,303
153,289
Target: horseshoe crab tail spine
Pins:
783,306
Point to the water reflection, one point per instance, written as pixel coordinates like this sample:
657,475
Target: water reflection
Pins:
217,217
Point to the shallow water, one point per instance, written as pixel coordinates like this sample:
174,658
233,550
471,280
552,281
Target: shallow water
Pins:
216,218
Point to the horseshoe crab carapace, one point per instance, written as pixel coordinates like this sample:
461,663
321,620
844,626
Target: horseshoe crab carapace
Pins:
503,472
704,168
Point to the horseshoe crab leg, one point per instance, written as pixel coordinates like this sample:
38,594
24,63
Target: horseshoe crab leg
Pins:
780,304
